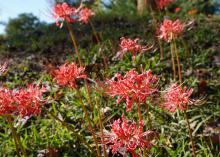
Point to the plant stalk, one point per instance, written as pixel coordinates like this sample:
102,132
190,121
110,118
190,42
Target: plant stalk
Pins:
79,60
190,135
74,43
101,127
94,31
178,61
89,121
17,138
173,61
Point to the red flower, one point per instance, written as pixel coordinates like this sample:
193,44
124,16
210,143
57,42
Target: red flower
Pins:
129,45
133,87
23,102
169,29
127,137
163,3
177,98
7,105
62,12
84,15
29,100
67,74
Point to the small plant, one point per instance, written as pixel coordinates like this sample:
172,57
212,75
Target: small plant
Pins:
169,31
24,102
175,98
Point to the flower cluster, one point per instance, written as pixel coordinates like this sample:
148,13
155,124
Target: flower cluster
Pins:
68,73
127,137
129,45
169,29
62,12
7,105
133,87
177,97
85,14
24,102
163,3
29,100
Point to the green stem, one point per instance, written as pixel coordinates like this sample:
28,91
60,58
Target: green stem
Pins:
173,61
94,31
101,127
178,61
79,59
17,138
190,134
74,43
89,121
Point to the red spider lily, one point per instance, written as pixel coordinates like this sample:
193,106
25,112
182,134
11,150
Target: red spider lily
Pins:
68,73
177,98
7,105
163,3
133,87
29,100
129,45
127,137
62,12
169,29
84,15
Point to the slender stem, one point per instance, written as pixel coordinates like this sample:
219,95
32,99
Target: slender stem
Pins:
14,137
101,127
72,130
190,134
178,61
173,61
79,59
74,43
89,121
94,31
87,89
17,138
161,49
